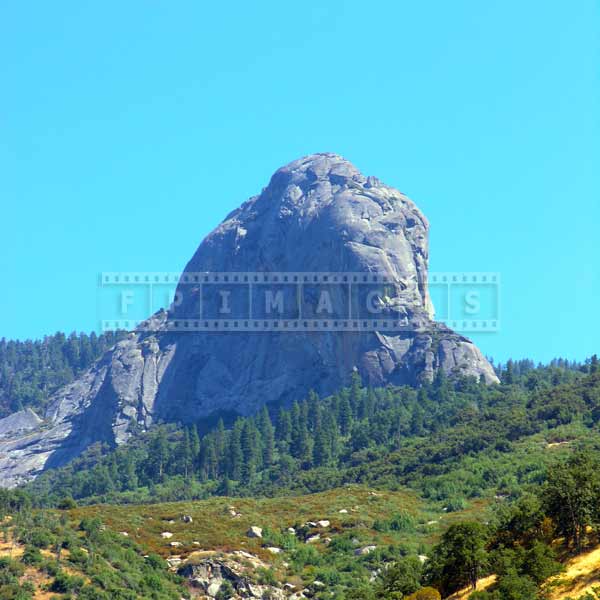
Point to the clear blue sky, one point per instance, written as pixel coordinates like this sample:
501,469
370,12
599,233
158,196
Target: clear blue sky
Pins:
128,130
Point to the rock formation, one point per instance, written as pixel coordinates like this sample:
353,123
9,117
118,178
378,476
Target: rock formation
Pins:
318,214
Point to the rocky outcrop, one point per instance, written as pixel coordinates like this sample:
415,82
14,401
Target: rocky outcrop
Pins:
22,421
235,572
318,214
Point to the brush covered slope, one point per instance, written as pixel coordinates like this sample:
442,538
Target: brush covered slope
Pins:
350,543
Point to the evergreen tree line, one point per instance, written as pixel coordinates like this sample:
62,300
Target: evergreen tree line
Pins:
30,371
510,371
386,436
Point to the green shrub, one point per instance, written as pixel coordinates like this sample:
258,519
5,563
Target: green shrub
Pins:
40,538
225,591
266,576
32,556
65,584
89,592
67,503
305,556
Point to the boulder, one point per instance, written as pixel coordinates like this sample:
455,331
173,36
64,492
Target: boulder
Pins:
365,550
213,588
174,561
254,532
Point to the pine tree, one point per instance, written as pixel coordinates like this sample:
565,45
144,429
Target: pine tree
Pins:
129,478
314,411
371,402
72,352
267,433
220,446
508,375
331,430
356,392
417,421
184,454
422,397
208,459
322,448
296,419
441,387
158,454
301,447
86,353
345,415
194,445
103,482
235,454
251,450
284,431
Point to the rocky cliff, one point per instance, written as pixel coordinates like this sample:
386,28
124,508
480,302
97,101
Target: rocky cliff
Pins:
318,215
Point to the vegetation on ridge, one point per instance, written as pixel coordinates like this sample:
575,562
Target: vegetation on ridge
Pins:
31,371
451,441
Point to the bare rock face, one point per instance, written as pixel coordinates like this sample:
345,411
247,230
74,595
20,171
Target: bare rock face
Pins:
318,214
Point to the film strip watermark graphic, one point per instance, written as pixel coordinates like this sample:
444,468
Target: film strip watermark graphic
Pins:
215,302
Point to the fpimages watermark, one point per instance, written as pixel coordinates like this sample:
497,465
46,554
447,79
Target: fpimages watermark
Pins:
296,301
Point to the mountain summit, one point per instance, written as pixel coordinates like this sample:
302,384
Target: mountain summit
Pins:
339,250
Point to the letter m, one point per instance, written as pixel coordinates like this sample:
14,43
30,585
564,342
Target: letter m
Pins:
274,301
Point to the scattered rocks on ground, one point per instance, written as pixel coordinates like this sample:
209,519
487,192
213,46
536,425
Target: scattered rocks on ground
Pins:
364,550
254,532
166,535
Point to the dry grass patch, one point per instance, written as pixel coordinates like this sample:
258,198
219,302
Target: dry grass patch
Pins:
582,574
